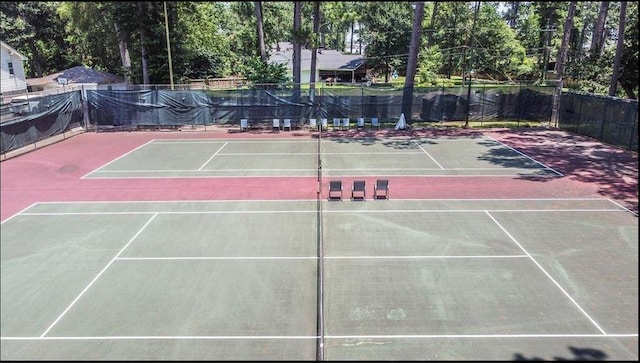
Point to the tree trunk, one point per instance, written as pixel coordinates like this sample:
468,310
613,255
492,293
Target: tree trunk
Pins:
143,47
414,50
561,58
473,29
351,50
597,40
124,53
513,17
314,48
297,48
583,33
619,49
263,50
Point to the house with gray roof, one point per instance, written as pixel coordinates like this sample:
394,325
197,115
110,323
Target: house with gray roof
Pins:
76,78
330,64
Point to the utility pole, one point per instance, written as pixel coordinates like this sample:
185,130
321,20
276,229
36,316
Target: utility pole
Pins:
166,27
470,41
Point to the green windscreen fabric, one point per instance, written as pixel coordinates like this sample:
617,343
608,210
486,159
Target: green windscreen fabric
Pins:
41,118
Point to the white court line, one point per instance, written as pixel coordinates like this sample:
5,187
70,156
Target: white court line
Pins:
619,209
316,257
623,207
440,169
165,337
212,156
97,276
355,211
546,273
233,141
314,200
19,213
203,201
465,210
429,336
429,155
222,258
207,176
252,337
194,170
326,175
183,212
423,257
266,153
526,156
119,157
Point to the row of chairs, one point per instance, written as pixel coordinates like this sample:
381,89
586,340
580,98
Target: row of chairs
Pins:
338,123
359,190
286,124
343,123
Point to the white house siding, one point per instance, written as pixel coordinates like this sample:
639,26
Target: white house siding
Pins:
12,83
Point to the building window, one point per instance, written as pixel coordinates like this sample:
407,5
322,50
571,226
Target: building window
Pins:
10,64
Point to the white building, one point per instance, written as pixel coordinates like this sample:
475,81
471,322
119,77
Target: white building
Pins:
12,78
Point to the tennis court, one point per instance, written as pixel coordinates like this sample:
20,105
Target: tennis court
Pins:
410,277
347,156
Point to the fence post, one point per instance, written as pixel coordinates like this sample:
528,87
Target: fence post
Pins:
555,105
484,96
362,100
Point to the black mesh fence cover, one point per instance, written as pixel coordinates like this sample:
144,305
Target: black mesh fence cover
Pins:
165,108
49,116
609,119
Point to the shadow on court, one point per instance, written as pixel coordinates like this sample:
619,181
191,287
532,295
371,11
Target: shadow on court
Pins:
613,170
577,354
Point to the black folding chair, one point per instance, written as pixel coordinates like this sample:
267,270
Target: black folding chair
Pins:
358,190
381,189
335,190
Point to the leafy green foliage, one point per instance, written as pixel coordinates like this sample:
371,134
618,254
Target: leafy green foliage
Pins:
271,75
431,59
34,29
219,39
388,37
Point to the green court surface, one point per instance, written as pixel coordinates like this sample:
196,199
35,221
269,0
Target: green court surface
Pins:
349,156
286,280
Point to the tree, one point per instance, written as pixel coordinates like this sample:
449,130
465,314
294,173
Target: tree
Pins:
297,47
261,46
597,40
619,50
434,14
123,45
407,95
386,24
143,46
512,14
35,30
314,48
629,64
562,52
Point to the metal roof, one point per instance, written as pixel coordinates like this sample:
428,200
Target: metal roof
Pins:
326,59
78,74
